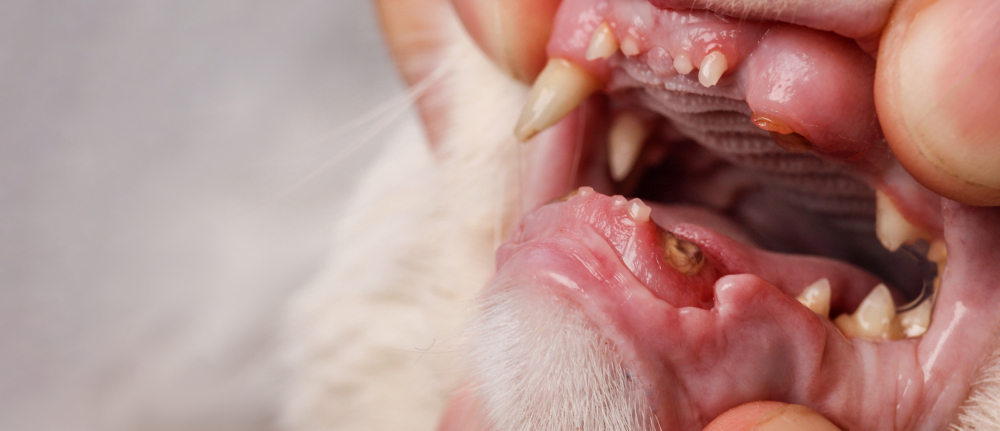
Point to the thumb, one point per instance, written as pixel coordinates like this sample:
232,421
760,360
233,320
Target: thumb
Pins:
937,91
771,416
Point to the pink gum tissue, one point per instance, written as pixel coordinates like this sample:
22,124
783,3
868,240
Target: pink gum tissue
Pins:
795,80
694,34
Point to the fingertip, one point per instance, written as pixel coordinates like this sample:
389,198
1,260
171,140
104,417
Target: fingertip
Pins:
513,33
771,416
938,97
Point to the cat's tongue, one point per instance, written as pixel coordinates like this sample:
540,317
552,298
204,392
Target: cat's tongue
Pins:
701,322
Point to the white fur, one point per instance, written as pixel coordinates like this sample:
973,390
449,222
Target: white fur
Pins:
541,365
372,342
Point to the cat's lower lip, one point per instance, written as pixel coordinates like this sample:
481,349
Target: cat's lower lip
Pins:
693,346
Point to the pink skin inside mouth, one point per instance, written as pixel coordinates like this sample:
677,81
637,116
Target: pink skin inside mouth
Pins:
733,333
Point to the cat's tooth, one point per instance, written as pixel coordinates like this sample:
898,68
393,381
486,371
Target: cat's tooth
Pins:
560,88
915,322
712,67
891,228
816,297
638,210
875,318
683,255
630,46
683,64
603,43
628,133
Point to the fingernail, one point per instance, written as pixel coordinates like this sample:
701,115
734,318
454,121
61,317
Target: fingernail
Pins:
949,80
794,417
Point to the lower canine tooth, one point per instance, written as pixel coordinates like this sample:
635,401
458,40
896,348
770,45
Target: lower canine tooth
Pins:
682,64
625,139
712,67
683,255
875,318
891,228
560,88
817,297
603,43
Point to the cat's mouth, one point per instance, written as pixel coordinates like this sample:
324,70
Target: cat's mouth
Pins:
745,253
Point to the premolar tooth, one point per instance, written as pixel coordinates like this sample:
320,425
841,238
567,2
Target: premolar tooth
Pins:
603,43
560,88
915,322
638,210
816,297
875,318
683,255
630,46
712,67
625,139
683,64
891,228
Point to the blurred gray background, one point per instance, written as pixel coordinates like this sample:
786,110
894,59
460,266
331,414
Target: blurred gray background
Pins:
169,172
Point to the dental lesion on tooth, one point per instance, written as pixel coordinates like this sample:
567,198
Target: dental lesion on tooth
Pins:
682,255
816,297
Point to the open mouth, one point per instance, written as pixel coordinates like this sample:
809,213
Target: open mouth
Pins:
738,231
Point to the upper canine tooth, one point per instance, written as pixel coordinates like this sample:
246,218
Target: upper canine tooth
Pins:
630,46
683,255
603,43
875,318
560,88
816,297
682,64
891,228
712,67
625,139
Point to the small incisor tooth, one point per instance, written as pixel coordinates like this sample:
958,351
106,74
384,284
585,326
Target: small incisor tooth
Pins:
816,297
875,318
603,43
683,255
638,210
712,67
625,139
683,64
630,46
560,88
891,228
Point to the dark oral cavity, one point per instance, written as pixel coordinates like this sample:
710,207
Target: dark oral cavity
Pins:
788,157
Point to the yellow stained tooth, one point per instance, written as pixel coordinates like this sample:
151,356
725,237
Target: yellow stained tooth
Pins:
603,43
560,88
628,133
683,64
915,322
891,228
875,318
712,67
816,297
